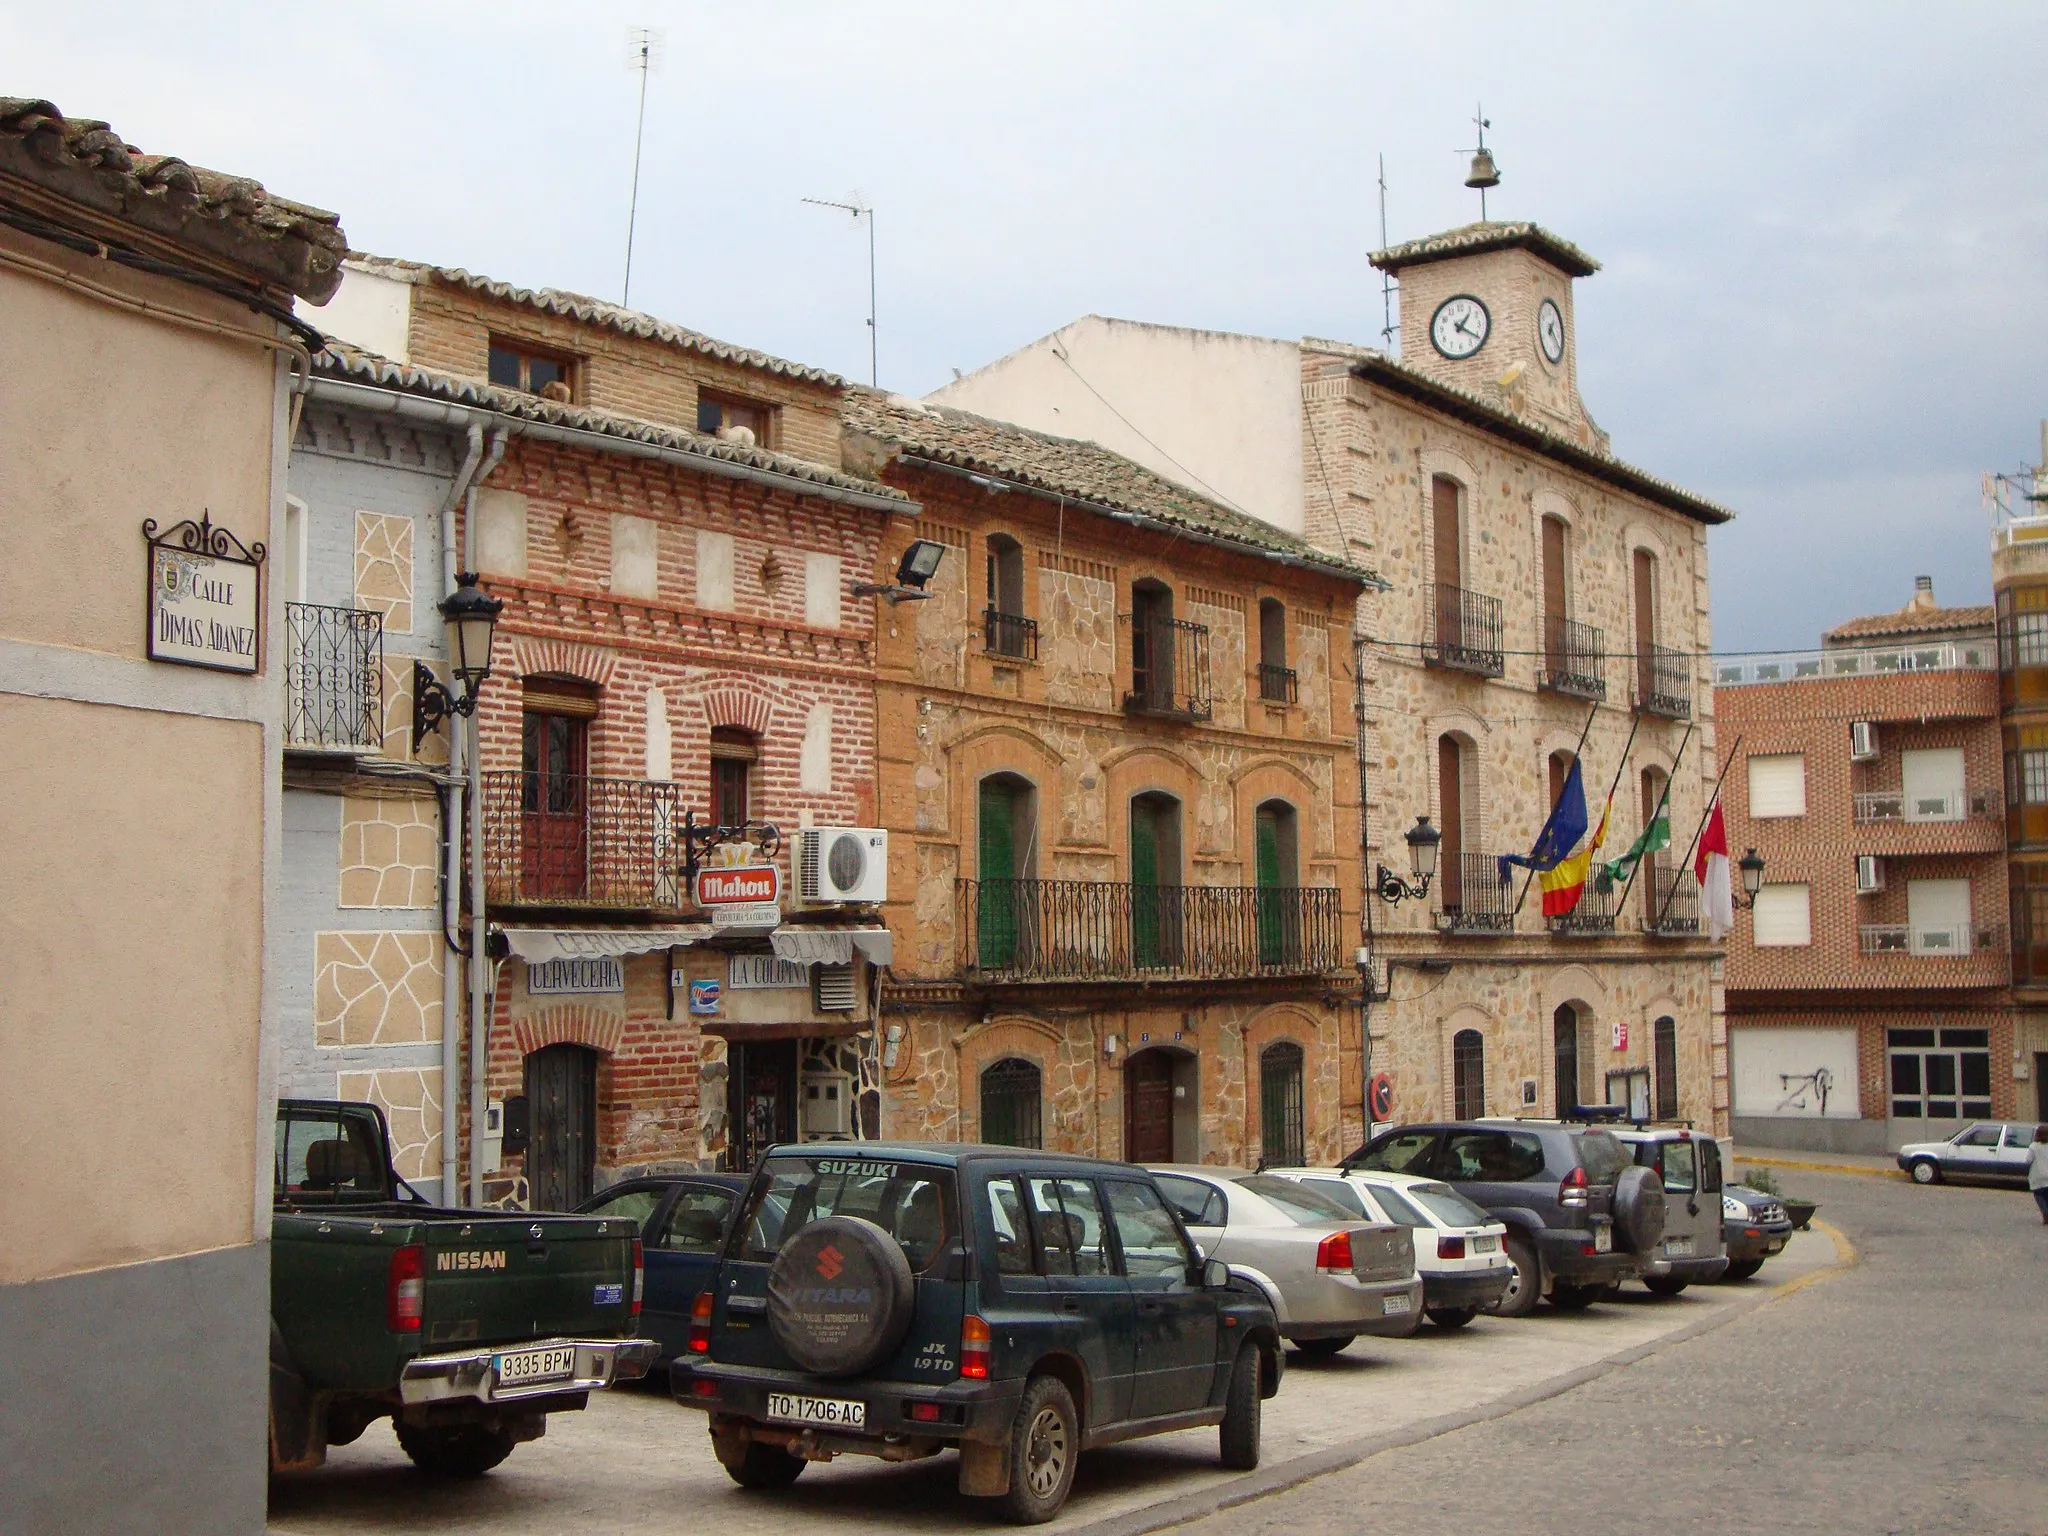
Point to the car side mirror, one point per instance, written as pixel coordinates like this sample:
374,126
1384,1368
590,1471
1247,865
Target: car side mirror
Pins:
1215,1275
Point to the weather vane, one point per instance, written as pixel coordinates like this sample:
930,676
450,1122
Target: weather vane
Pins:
1484,172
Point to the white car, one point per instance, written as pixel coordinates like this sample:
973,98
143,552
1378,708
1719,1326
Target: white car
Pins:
1460,1250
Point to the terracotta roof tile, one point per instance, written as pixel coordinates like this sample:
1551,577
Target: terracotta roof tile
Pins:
1912,621
1471,239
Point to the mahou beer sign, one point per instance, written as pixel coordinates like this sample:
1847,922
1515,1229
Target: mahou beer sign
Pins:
739,885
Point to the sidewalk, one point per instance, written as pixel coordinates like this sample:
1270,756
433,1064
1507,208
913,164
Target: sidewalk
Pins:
1819,1162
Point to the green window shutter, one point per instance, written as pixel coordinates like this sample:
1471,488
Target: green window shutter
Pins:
997,871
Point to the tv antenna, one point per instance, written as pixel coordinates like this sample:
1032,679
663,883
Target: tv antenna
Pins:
1484,172
1387,326
860,208
643,52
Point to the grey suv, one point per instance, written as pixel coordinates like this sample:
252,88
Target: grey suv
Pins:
1580,1214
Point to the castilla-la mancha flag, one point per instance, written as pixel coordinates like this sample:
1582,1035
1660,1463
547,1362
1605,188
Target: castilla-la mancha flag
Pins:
1717,899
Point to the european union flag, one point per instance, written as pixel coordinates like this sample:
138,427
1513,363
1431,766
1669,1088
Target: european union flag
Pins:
1560,834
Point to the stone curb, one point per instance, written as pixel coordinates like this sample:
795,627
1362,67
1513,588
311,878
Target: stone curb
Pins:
1335,1458
1812,1167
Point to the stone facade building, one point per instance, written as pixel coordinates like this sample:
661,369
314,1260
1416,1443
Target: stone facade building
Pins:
1544,599
1869,990
1117,765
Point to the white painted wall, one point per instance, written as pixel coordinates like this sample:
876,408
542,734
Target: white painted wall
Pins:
1216,412
368,310
1774,1072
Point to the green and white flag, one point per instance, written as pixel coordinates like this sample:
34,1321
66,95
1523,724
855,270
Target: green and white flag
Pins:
1655,839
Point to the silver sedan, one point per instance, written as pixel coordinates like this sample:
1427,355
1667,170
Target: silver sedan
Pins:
1329,1276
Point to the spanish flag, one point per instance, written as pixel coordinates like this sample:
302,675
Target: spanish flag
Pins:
1566,883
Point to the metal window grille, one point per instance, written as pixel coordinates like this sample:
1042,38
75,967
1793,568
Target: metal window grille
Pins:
1667,1069
1009,634
1282,1139
1472,897
1468,1074
1572,660
1672,902
1468,632
1664,683
1011,1114
1278,685
1169,668
334,677
570,840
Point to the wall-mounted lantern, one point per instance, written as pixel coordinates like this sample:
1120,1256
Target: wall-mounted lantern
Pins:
1423,840
471,617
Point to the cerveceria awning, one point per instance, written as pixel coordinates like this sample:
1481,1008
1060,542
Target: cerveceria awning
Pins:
537,946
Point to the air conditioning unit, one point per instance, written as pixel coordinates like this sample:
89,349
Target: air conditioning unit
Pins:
840,866
1862,740
1869,874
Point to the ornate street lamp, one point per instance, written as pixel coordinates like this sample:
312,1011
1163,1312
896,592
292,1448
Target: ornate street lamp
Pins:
1752,866
1422,840
471,617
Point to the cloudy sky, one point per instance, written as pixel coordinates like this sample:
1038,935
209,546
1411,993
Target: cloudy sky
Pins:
1823,226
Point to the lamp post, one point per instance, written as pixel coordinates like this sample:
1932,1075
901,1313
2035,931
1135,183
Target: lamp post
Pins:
920,563
1752,866
1423,841
471,616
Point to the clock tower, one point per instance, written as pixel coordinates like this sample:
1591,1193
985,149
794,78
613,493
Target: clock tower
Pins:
1488,308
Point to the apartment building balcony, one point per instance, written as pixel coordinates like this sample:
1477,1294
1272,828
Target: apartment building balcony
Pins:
1946,942
1009,635
1468,633
1896,805
1169,669
333,679
1573,663
1471,897
575,841
1664,683
1106,931
1278,685
1592,918
1671,902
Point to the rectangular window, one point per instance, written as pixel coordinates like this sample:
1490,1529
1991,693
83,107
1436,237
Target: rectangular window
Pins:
1073,1239
728,416
2033,776
532,370
1777,785
1783,916
1012,1229
2030,639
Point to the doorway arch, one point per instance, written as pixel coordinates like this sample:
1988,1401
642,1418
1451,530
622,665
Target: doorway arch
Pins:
1162,1106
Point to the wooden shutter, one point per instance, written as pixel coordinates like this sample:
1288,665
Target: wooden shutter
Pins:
1443,493
1646,621
1553,568
1777,785
1783,916
1450,797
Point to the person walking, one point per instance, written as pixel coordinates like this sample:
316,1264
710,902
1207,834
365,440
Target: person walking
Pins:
2037,1170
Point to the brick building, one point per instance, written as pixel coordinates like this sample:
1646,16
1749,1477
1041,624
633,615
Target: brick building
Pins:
1868,991
1538,588
666,521
1118,770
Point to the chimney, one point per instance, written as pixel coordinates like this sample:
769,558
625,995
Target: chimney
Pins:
1923,593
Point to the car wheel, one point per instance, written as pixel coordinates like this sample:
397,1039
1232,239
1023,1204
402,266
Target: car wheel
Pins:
1574,1298
458,1450
766,1467
1452,1317
1238,1436
1045,1442
1926,1170
1743,1270
1519,1299
1663,1285
1324,1349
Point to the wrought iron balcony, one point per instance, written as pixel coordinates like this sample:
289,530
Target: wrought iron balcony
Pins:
1664,683
1082,931
333,679
1468,632
1278,685
1593,917
1946,941
1572,659
1671,902
1471,897
1009,634
569,840
1169,669
1880,805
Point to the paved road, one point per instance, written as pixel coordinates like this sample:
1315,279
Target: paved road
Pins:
1908,1394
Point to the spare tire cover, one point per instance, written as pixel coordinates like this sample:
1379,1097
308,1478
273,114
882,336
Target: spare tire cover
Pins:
1639,1209
840,1295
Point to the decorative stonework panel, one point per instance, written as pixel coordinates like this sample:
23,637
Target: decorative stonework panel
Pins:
937,866
1312,676
942,623
389,849
411,1101
1077,632
376,988
397,722
384,568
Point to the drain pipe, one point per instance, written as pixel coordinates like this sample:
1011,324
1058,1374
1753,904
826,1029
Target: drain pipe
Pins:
451,876
479,974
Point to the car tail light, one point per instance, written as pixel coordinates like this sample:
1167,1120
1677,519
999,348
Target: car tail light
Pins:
405,1289
925,1413
1574,1191
1334,1252
974,1340
703,1389
700,1324
639,1277
1448,1247
1589,1250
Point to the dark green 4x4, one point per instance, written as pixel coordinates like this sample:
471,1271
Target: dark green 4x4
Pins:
898,1300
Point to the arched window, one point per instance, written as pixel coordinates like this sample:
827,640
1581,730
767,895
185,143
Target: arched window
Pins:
1666,1032
1276,678
1282,1138
1006,631
1468,1075
1564,1053
1006,904
1010,1104
1276,861
733,755
1155,881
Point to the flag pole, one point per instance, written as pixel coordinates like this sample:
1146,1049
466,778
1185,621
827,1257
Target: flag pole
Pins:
1584,731
1702,827
1663,800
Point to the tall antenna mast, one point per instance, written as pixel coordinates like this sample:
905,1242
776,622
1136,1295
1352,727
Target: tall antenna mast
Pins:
1484,172
1387,326
861,209
643,49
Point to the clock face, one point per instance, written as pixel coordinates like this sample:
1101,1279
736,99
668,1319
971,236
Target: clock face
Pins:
1550,331
1459,326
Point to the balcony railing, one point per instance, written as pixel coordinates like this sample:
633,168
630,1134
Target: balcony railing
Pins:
1169,669
1471,897
1941,942
562,840
1896,805
1572,660
1468,632
1277,685
1593,917
1671,902
1877,661
1009,634
333,678
1664,683
1081,930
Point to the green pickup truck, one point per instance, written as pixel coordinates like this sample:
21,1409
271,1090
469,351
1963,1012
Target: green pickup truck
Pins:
466,1328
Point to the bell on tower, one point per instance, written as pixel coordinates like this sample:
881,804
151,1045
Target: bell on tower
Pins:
1484,172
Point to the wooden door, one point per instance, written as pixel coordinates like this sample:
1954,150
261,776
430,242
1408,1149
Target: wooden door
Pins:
996,871
1646,623
761,1098
1553,594
561,1153
1450,794
1450,561
1155,881
1148,1108
554,832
